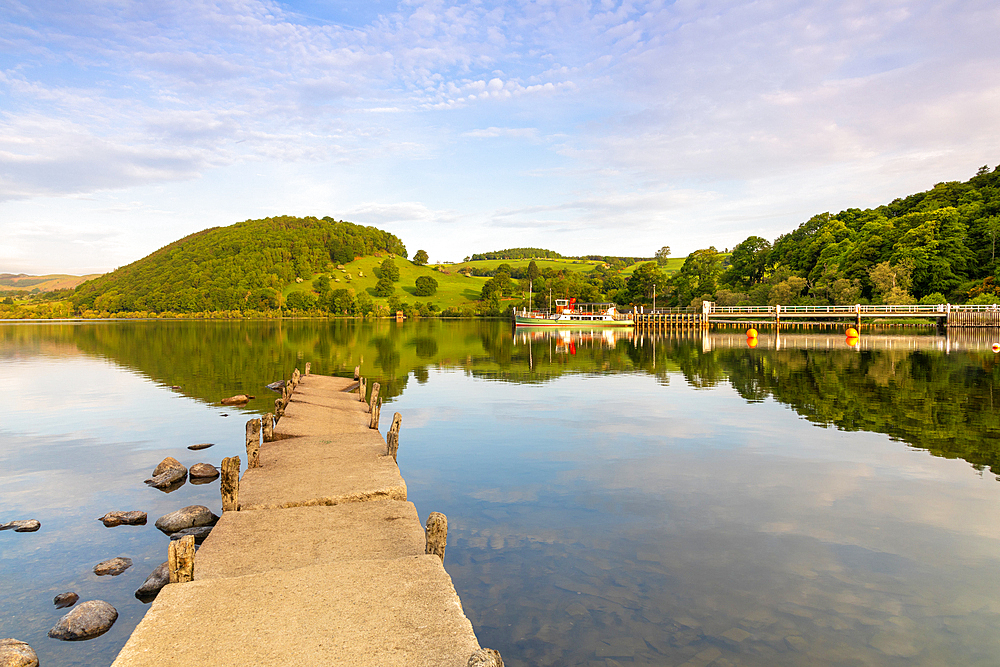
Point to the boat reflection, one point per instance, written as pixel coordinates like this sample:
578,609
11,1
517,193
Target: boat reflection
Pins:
567,341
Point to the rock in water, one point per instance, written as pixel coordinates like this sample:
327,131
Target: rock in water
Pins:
203,445
239,399
113,566
203,470
132,518
15,653
64,600
156,580
186,517
168,478
200,533
88,620
166,464
23,526
276,386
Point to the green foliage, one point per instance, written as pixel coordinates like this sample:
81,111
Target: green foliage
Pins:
662,255
384,287
420,258
389,270
243,266
517,253
425,286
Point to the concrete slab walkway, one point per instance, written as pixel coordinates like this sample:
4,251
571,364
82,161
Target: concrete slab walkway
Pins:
324,564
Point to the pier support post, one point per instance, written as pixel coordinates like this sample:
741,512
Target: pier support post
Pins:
392,437
180,560
308,368
253,443
267,427
230,484
485,657
357,372
436,534
374,406
279,409
295,378
362,389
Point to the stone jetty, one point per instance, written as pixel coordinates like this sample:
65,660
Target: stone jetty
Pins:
318,559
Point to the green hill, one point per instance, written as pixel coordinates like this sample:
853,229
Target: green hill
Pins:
244,266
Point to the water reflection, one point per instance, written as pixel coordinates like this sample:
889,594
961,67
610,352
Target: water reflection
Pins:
614,497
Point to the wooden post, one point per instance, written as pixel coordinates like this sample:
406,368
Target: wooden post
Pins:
267,427
374,405
392,437
295,378
357,372
308,368
279,409
436,534
362,389
253,443
230,484
485,657
180,559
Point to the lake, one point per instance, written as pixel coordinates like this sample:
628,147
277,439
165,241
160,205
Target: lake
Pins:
679,499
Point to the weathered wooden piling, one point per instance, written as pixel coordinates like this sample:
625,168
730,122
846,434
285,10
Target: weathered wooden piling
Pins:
230,484
362,389
253,443
279,409
436,534
267,427
485,657
357,372
308,368
392,437
180,560
295,378
374,406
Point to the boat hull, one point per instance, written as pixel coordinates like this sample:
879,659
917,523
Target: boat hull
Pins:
569,324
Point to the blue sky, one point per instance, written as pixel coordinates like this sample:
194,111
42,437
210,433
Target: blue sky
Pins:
584,127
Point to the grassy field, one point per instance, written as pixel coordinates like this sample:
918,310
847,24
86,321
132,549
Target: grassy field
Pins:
454,289
556,264
47,283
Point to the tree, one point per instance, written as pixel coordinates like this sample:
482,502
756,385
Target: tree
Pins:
892,282
662,254
748,263
389,270
533,271
420,257
384,286
425,286
641,284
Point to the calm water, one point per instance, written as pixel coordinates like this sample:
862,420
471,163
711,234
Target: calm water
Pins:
611,500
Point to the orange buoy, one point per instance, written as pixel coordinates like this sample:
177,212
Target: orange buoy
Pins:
751,341
996,347
852,332
852,340
751,333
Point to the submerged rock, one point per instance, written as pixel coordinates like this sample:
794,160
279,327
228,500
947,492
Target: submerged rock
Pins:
90,619
203,445
276,386
239,399
199,532
112,566
203,470
168,464
22,526
186,517
15,653
64,600
117,518
169,478
156,580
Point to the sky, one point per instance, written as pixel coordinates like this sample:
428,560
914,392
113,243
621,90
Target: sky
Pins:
599,127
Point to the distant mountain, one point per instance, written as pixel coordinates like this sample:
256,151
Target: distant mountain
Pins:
46,283
243,266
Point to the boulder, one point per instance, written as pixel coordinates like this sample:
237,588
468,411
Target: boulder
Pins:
202,445
203,470
168,478
88,620
117,518
22,526
113,566
239,399
15,653
200,533
186,517
168,464
156,580
64,600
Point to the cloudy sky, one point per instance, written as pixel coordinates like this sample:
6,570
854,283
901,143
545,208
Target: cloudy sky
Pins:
584,127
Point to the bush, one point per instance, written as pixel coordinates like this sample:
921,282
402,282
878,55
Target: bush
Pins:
426,286
384,287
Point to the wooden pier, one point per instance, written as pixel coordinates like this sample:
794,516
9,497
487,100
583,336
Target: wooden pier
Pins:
945,314
318,559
